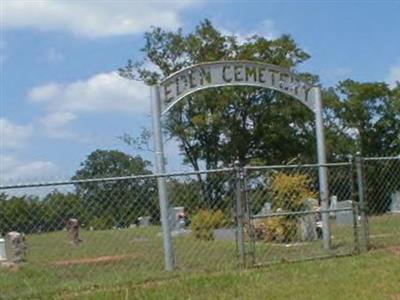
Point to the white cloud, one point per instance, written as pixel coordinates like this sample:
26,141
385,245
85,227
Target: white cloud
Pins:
104,92
13,135
93,18
15,170
266,28
53,125
394,75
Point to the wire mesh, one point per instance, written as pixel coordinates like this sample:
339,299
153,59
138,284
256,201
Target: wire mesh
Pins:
219,220
382,196
285,213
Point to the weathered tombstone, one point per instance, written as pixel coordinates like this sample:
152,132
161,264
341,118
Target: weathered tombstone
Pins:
2,250
266,209
308,222
333,206
345,217
395,205
224,234
73,231
174,217
144,221
15,247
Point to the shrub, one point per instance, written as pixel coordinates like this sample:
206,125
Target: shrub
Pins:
276,229
204,221
290,193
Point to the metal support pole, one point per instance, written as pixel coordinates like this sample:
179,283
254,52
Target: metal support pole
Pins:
363,208
239,215
315,92
160,169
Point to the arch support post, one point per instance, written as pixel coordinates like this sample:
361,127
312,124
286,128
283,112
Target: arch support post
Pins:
161,181
315,93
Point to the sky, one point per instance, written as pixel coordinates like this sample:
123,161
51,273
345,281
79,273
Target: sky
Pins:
60,96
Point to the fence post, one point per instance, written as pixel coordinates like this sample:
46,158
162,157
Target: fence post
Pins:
363,207
239,215
315,93
162,185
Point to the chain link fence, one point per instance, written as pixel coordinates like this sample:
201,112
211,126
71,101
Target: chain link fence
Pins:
381,188
107,231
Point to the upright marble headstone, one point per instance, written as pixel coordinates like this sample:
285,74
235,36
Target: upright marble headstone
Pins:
308,222
144,221
333,206
266,209
345,217
176,217
15,247
73,227
395,205
2,249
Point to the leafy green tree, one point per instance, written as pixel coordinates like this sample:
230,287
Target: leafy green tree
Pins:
368,114
116,202
246,124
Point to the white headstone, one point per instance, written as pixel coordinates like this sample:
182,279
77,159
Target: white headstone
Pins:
2,249
144,221
395,206
333,205
175,219
345,217
266,209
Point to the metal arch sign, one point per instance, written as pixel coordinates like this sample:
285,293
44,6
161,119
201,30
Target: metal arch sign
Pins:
232,73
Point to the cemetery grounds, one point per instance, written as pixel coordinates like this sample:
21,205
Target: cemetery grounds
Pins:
128,263
116,263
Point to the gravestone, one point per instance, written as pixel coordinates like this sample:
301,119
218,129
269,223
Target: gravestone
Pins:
308,222
266,209
224,234
345,217
176,218
395,205
144,221
73,227
15,247
333,206
2,249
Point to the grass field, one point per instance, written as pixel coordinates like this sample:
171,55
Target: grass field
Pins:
114,264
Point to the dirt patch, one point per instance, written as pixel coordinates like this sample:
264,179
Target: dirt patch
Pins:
92,260
395,297
396,251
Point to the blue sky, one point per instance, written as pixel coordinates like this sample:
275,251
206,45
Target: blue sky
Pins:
60,96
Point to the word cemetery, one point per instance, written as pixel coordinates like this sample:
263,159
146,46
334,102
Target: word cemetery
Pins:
207,75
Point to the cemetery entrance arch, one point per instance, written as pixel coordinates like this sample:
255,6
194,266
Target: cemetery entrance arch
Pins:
232,73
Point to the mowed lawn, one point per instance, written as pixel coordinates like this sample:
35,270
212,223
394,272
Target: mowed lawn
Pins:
128,264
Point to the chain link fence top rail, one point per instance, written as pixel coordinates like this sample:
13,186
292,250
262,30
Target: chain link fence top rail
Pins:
219,219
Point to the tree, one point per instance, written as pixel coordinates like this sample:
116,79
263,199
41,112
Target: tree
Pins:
245,124
115,202
369,115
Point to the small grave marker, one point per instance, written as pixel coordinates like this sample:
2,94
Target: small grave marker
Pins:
345,217
73,227
395,206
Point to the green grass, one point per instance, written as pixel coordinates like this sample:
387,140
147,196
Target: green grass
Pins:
52,267
375,275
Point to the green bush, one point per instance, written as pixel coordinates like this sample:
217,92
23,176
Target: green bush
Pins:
204,221
290,193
